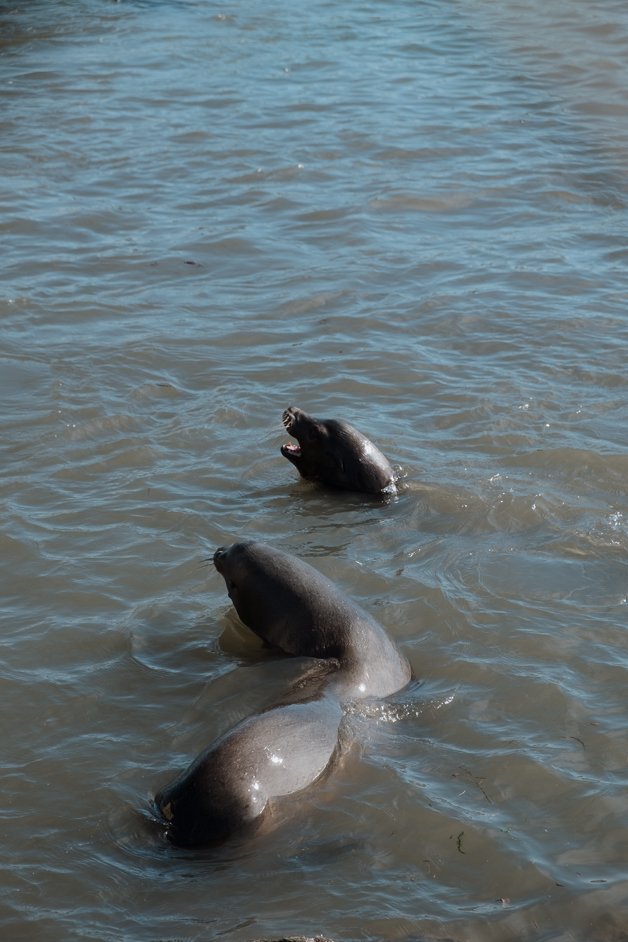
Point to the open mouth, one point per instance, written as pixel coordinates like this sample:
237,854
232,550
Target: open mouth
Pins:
290,450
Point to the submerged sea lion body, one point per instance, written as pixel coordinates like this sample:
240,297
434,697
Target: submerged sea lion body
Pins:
229,785
335,453
293,607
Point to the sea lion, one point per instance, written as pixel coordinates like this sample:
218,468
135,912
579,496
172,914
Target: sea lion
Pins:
228,787
335,453
292,606
281,750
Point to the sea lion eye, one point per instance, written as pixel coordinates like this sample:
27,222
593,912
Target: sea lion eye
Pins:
313,434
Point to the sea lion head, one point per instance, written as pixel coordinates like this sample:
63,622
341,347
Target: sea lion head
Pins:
284,601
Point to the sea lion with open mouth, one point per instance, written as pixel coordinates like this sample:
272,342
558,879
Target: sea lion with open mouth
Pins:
335,453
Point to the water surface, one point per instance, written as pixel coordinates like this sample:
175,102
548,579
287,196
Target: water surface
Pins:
410,215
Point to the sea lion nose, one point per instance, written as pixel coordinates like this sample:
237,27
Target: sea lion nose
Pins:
219,555
291,417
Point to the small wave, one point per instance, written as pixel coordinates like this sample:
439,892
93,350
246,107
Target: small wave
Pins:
397,711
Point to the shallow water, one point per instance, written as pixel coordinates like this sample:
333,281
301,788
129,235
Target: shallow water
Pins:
412,216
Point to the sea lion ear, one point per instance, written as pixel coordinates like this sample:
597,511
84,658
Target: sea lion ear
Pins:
340,463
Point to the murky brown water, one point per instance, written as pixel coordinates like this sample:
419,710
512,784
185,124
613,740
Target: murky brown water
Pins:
409,215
